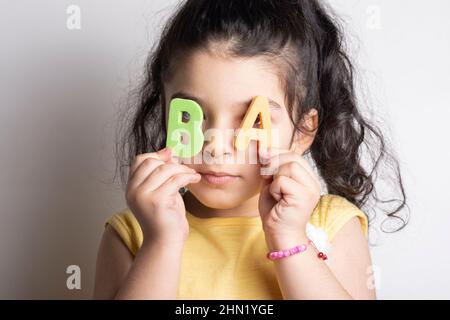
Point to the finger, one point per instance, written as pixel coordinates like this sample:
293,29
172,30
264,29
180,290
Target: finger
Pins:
267,157
174,183
271,156
162,155
143,171
163,173
283,186
278,157
284,156
298,173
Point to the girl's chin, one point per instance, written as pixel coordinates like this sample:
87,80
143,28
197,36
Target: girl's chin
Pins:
219,198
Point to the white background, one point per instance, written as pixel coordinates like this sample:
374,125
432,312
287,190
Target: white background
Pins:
60,91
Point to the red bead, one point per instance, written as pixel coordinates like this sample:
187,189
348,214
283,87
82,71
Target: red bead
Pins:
320,255
325,257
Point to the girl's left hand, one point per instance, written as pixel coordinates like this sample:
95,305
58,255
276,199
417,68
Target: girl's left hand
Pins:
288,198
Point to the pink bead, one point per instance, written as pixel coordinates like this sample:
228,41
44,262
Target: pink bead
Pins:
276,255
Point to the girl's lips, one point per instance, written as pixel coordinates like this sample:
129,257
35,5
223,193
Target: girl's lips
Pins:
218,179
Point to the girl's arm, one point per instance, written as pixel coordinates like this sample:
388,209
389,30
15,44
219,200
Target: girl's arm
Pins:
346,275
153,196
153,274
286,203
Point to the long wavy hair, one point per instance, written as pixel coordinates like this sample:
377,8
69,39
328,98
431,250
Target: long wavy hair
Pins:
306,39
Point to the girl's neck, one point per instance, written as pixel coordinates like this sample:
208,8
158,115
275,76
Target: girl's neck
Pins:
248,208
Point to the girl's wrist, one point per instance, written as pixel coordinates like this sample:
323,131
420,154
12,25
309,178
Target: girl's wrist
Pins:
160,244
276,243
280,247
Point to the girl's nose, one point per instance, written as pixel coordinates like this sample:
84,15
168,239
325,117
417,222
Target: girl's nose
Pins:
218,143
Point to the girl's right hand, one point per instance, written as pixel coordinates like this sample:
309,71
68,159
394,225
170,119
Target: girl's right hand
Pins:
153,197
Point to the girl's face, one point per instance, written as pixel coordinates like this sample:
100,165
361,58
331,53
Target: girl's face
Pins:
224,88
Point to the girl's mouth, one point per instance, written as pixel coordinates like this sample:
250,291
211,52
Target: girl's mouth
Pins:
218,178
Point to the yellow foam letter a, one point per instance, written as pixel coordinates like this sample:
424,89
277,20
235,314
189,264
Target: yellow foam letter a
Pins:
258,108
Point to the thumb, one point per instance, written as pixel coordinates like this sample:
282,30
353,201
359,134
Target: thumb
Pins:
266,201
164,154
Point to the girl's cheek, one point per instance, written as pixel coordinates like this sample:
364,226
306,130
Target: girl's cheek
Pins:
189,163
189,166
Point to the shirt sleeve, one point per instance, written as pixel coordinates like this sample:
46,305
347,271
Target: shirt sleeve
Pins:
333,212
128,228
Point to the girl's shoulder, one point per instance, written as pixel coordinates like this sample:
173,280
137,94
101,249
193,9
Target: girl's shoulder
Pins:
128,228
333,212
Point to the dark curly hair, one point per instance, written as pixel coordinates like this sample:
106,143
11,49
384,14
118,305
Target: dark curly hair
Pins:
305,38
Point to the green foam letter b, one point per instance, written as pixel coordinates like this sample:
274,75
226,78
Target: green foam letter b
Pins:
192,128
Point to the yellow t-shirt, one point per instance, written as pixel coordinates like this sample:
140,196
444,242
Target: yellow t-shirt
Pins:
225,257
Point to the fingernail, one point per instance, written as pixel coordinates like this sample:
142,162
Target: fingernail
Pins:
163,151
264,160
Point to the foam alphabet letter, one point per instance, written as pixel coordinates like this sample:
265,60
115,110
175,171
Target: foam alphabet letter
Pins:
192,128
258,108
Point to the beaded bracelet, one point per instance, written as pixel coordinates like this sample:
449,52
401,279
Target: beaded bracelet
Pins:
276,255
320,254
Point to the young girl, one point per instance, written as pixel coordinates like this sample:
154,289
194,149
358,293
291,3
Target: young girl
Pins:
212,241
